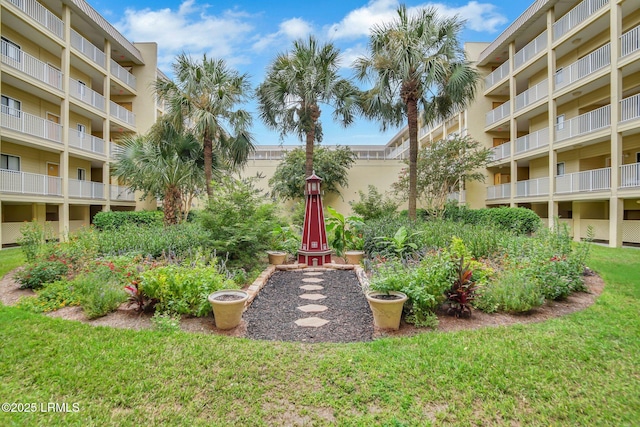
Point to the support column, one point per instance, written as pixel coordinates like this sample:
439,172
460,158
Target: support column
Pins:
577,215
553,213
552,111
513,125
63,210
616,205
616,215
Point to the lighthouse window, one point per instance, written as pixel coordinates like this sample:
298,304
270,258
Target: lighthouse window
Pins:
313,186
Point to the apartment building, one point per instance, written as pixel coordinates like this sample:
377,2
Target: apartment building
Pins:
560,107
71,86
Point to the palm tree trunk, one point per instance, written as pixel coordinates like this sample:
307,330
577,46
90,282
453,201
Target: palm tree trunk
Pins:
308,170
412,117
208,163
172,202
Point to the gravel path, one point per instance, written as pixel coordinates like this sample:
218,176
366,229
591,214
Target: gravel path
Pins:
274,312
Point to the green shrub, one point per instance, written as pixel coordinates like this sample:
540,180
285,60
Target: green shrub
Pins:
52,296
112,220
375,230
164,322
512,291
35,275
517,220
374,205
101,289
33,240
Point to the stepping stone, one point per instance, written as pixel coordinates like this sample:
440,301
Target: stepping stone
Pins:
313,308
312,280
313,273
311,287
312,297
311,322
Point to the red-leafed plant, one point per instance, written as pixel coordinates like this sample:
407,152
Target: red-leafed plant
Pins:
462,292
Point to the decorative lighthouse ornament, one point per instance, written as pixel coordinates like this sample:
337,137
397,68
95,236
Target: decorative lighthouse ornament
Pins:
314,250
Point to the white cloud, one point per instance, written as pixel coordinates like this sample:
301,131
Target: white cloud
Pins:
288,30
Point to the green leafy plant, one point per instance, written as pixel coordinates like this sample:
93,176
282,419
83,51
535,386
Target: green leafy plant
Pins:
101,289
53,296
511,291
111,220
35,275
347,231
462,292
285,238
34,238
374,205
165,322
400,244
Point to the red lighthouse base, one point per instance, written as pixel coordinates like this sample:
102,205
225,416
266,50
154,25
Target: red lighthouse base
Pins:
314,258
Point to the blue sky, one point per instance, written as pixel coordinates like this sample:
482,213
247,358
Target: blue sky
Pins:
248,34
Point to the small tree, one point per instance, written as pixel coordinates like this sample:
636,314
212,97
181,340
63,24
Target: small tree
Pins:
374,204
331,165
443,167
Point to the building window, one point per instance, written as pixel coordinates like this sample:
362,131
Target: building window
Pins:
560,122
11,50
560,168
9,162
638,157
11,106
82,174
559,76
82,88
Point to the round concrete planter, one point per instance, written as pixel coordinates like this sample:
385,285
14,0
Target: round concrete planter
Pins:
277,257
386,312
228,314
354,257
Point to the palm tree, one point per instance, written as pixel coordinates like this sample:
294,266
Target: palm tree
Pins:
416,62
165,164
297,82
204,99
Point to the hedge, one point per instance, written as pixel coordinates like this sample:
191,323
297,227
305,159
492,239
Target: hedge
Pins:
112,220
518,220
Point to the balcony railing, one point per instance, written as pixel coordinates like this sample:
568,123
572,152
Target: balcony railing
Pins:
457,196
583,67
532,141
532,95
531,50
502,191
630,175
119,192
575,16
31,66
501,151
42,15
31,125
630,42
498,74
591,180
584,123
532,187
29,183
630,108
83,93
114,149
498,113
122,74
86,142
86,189
87,48
122,113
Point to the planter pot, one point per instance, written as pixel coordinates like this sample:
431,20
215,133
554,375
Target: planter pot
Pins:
354,257
228,306
277,257
386,312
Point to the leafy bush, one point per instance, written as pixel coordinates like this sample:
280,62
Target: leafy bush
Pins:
462,292
512,291
101,290
35,275
112,220
373,231
33,240
346,231
52,296
517,220
163,322
373,205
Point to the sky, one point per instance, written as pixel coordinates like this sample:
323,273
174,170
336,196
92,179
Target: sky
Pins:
249,34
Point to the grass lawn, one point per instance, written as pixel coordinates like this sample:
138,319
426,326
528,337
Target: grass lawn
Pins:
581,369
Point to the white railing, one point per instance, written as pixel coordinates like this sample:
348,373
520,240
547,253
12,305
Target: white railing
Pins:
397,152
498,113
29,183
32,125
630,108
630,175
122,113
591,180
502,191
530,50
42,15
532,94
83,93
31,66
457,196
496,75
532,187
114,149
501,151
630,42
584,123
575,16
86,142
537,139
87,48
119,192
583,67
122,74
86,189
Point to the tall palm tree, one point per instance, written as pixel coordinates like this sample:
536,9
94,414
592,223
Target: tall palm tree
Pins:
296,83
416,62
205,98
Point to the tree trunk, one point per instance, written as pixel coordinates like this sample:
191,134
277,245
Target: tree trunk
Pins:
208,163
412,116
308,164
171,205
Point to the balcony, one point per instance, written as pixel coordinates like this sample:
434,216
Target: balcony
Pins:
501,151
533,187
87,49
530,50
591,180
86,142
532,141
80,91
29,124
498,113
630,108
86,189
532,95
41,15
123,75
584,123
583,67
31,66
29,183
122,114
502,191
630,42
119,192
498,74
630,175
576,16
457,196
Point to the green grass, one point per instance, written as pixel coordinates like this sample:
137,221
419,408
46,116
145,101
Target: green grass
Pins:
580,369
10,259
